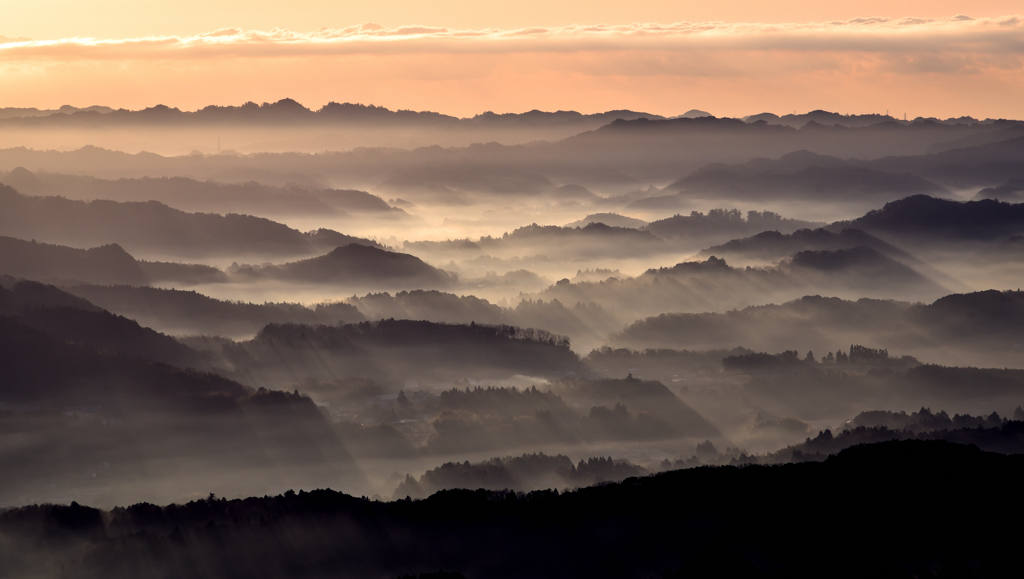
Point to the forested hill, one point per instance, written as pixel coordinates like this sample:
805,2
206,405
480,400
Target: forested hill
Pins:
893,509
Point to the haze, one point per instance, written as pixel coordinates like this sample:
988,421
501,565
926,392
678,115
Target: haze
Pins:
477,290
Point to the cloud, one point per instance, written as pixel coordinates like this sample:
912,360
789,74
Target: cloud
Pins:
952,35
933,66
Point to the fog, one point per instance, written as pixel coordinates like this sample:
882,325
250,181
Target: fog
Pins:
393,303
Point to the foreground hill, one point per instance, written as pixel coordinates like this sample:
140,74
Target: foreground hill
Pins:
753,521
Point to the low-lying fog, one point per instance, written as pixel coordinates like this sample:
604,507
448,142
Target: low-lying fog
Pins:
391,309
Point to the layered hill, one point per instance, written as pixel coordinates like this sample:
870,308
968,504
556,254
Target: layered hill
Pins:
63,316
621,156
980,328
722,224
392,350
353,264
182,312
156,228
205,196
713,285
108,264
85,390
801,176
772,246
921,218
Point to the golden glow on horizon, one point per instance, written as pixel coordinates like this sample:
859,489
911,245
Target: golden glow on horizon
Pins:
49,19
946,66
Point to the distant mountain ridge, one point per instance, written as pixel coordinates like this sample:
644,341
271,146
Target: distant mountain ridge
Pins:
289,111
623,155
31,112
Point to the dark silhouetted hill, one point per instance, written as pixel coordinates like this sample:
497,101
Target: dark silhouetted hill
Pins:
927,219
858,268
772,246
98,423
821,117
66,317
721,224
651,399
845,388
29,112
660,364
621,155
45,367
431,305
109,264
203,196
188,312
801,175
755,521
989,433
610,219
594,239
289,112
519,473
396,350
1011,190
353,264
713,285
983,165
982,327
991,317
154,227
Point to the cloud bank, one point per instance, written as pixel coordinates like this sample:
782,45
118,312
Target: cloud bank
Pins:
882,35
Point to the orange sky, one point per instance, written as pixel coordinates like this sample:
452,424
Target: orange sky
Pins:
466,57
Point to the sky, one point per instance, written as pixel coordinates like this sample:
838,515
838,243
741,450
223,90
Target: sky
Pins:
731,58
